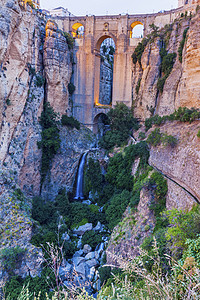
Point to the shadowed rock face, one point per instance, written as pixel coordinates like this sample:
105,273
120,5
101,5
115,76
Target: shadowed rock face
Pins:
57,67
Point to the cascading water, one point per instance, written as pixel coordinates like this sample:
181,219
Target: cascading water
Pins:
79,184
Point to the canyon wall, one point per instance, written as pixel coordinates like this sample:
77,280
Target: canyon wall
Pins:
181,88
35,66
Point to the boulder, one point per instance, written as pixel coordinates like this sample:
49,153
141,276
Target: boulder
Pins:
77,260
90,255
98,227
92,263
65,271
87,249
78,253
82,229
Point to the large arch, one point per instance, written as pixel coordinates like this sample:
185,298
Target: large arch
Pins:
98,63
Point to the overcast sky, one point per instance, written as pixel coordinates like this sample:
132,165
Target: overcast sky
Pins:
103,7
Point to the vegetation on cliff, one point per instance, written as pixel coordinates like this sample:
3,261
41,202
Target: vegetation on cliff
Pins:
121,123
50,142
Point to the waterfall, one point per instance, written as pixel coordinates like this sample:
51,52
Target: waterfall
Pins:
79,184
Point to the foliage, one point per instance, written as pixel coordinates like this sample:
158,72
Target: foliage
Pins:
91,238
139,182
156,138
69,39
111,50
115,209
8,102
167,63
93,178
71,88
11,257
36,285
137,54
138,86
158,184
70,122
182,43
183,114
39,80
183,225
142,136
121,124
120,166
198,134
50,142
193,250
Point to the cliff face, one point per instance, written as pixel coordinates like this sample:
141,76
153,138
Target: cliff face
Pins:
35,65
181,88
57,68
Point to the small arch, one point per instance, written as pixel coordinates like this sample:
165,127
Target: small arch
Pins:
100,124
137,30
78,30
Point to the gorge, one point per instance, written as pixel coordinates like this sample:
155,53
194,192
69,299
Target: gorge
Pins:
61,93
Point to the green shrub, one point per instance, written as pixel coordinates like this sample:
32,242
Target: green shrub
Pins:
169,140
161,83
183,225
50,142
91,238
140,181
93,178
8,102
182,43
154,138
39,80
11,258
198,134
69,39
183,114
142,136
193,249
71,88
167,63
121,124
37,285
70,122
138,86
115,209
158,184
42,211
139,50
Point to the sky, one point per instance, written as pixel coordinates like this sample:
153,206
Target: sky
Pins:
110,7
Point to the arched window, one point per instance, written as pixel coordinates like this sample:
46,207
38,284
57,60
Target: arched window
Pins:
137,30
78,30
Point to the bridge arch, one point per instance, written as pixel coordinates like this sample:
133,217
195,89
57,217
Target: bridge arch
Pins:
100,120
104,65
99,40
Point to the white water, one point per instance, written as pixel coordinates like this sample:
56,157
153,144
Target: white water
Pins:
79,184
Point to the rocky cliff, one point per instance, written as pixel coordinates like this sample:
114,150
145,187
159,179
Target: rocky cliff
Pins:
180,88
35,66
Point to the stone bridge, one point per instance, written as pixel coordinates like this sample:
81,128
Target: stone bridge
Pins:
86,77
